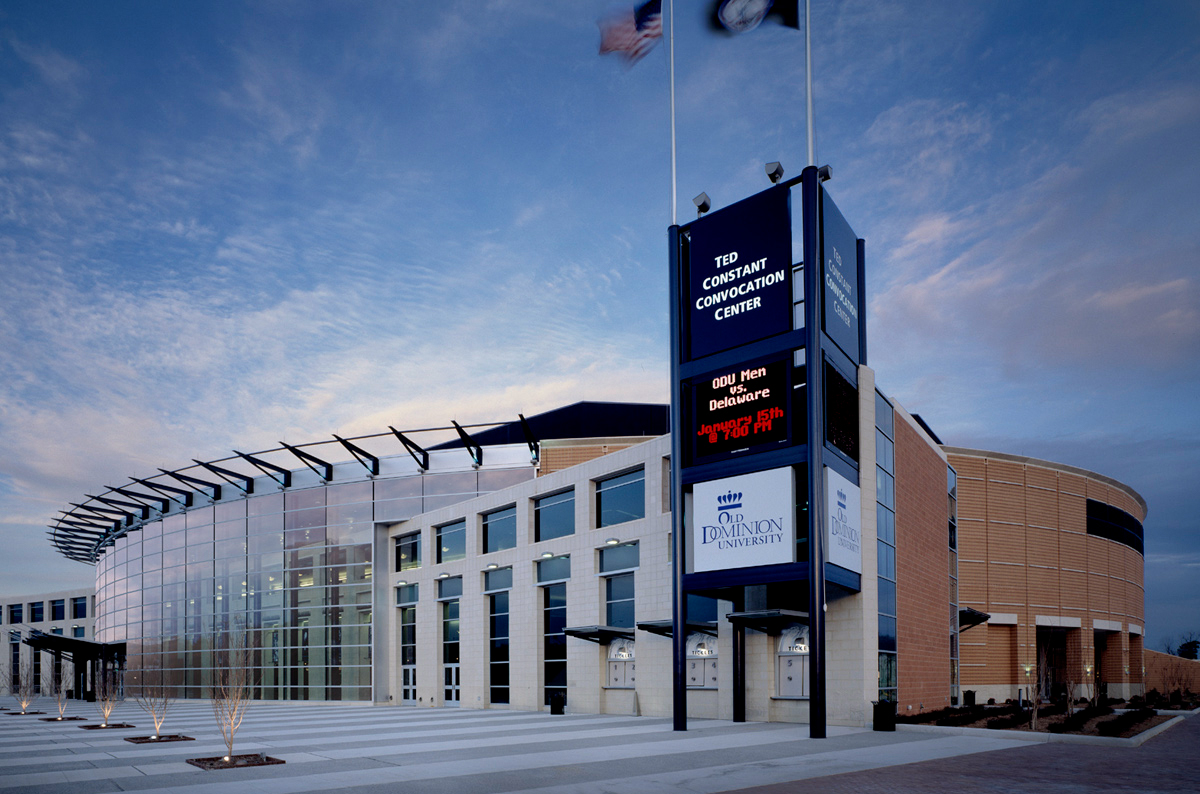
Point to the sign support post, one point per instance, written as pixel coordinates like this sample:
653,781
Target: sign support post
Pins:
678,596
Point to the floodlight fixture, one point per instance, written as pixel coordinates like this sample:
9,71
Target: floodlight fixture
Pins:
775,172
703,204
825,173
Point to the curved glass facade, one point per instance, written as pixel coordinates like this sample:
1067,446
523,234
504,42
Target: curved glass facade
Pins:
292,570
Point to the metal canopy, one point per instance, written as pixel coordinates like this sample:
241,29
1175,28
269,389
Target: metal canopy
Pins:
369,461
188,479
768,621
418,453
279,474
243,482
665,628
82,532
970,618
312,461
473,449
602,635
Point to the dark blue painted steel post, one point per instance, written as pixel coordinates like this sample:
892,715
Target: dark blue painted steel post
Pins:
813,293
678,597
862,302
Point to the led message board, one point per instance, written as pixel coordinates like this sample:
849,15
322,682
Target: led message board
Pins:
739,274
740,410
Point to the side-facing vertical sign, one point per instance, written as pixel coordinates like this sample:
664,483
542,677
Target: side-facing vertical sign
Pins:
739,274
839,274
744,521
843,537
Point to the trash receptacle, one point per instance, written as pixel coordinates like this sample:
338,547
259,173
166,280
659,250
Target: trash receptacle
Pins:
884,717
558,702
968,697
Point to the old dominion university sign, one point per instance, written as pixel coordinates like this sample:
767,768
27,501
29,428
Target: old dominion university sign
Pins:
744,521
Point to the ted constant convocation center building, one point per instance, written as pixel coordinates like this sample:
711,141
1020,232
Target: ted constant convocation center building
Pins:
533,564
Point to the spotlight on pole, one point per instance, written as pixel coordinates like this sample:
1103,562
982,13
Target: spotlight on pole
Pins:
825,173
774,172
703,204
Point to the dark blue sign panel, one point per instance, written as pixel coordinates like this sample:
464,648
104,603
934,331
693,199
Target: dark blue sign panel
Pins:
839,274
739,274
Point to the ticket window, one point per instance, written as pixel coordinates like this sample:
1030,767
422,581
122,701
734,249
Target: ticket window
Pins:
622,673
701,661
792,663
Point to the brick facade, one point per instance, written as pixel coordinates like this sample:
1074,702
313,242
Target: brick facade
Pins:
922,579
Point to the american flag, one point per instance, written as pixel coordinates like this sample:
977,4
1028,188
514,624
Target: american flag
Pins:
634,33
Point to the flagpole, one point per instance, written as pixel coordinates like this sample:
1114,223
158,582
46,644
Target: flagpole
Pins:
808,92
671,70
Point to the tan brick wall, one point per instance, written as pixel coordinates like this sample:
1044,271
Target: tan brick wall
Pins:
1025,551
1167,673
922,579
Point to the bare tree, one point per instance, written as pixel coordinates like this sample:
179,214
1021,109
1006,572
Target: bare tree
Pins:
232,686
155,695
1071,674
62,685
1043,685
109,692
26,690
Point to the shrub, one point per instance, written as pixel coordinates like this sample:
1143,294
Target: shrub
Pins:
1122,722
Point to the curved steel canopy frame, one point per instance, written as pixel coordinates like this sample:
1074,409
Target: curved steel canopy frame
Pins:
82,532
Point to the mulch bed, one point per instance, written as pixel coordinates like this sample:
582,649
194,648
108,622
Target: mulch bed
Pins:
64,719
1089,728
235,762
166,737
106,727
24,713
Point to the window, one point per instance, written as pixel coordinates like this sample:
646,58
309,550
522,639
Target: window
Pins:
621,498
619,558
554,642
78,632
57,630
500,530
618,589
79,608
499,579
701,652
554,516
618,601
58,609
450,588
554,569
406,594
37,611
406,599
408,551
16,613
885,520
792,663
450,638
452,541
498,647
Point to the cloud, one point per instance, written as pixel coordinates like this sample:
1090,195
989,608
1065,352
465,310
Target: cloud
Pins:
52,66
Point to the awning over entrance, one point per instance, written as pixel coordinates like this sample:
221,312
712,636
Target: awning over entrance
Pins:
599,634
969,618
79,650
768,621
665,628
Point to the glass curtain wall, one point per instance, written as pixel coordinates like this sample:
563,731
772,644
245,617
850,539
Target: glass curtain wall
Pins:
885,517
289,572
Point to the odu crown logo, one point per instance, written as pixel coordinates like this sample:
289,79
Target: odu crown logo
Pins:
729,501
841,499
734,530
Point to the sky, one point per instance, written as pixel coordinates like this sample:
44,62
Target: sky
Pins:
226,225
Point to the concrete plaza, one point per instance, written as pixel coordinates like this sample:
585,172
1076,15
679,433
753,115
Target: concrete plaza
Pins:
360,748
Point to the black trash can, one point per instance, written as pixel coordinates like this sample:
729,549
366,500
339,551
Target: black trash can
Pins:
558,702
968,697
884,717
